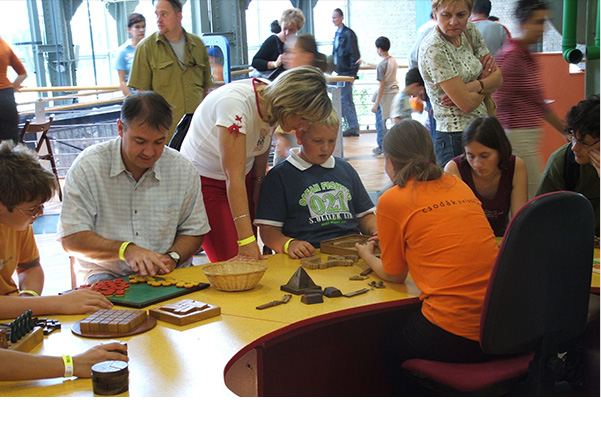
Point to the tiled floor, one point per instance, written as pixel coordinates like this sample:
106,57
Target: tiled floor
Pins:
357,150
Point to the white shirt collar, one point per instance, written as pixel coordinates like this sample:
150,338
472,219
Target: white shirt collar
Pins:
295,159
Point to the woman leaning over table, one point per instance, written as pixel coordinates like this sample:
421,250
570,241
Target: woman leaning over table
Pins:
228,142
458,71
521,107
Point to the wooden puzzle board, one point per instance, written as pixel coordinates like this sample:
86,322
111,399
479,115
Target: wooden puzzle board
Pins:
344,245
29,341
185,312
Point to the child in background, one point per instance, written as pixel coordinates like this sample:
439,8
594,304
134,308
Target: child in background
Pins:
432,225
313,196
414,87
388,88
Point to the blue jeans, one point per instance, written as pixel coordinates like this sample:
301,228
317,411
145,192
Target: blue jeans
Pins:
348,106
101,276
446,146
380,127
431,119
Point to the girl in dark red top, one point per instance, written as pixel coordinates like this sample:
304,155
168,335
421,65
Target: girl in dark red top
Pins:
498,178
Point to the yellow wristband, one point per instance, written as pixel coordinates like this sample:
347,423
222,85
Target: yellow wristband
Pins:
31,292
122,250
68,360
287,245
246,241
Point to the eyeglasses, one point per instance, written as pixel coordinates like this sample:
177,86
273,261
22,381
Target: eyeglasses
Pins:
571,137
33,212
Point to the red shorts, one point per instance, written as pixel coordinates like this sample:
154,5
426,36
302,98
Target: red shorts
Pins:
221,243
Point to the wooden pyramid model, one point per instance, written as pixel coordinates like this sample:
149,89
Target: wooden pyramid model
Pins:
299,283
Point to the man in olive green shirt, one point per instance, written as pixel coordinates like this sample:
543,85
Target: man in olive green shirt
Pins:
575,166
173,63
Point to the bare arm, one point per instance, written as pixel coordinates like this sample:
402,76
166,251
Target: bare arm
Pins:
491,75
519,191
273,238
367,253
91,245
452,169
17,83
16,365
466,96
122,83
31,278
367,224
233,162
461,94
185,246
259,171
72,303
556,122
381,88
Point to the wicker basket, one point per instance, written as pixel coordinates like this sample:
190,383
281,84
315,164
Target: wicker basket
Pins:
234,276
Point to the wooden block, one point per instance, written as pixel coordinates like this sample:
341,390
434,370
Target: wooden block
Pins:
112,321
29,341
185,312
311,262
315,262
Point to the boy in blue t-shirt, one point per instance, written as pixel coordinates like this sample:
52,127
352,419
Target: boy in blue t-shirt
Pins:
313,196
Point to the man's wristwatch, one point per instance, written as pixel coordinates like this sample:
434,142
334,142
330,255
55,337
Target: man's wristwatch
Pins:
175,256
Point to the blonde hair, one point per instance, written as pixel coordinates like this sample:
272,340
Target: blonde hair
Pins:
293,16
438,3
300,91
410,149
331,122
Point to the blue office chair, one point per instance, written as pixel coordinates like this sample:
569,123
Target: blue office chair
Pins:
535,306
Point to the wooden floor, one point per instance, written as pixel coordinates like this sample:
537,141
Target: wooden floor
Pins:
55,262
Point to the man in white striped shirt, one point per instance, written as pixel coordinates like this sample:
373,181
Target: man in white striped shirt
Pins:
132,205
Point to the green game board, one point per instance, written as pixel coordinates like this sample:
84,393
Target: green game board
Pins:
141,295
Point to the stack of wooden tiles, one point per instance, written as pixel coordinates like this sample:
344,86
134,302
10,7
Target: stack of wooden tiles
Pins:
113,321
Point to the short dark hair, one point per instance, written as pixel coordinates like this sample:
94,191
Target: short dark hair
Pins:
275,27
22,177
482,7
134,18
175,4
489,132
339,11
524,9
383,43
584,117
146,107
413,76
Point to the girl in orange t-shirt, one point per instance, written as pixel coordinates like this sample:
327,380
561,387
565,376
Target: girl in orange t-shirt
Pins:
432,225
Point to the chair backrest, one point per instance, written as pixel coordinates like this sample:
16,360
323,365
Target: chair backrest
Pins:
42,128
540,284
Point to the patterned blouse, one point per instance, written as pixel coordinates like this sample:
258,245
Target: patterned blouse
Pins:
440,61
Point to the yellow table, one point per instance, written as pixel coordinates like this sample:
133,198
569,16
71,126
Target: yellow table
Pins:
191,360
